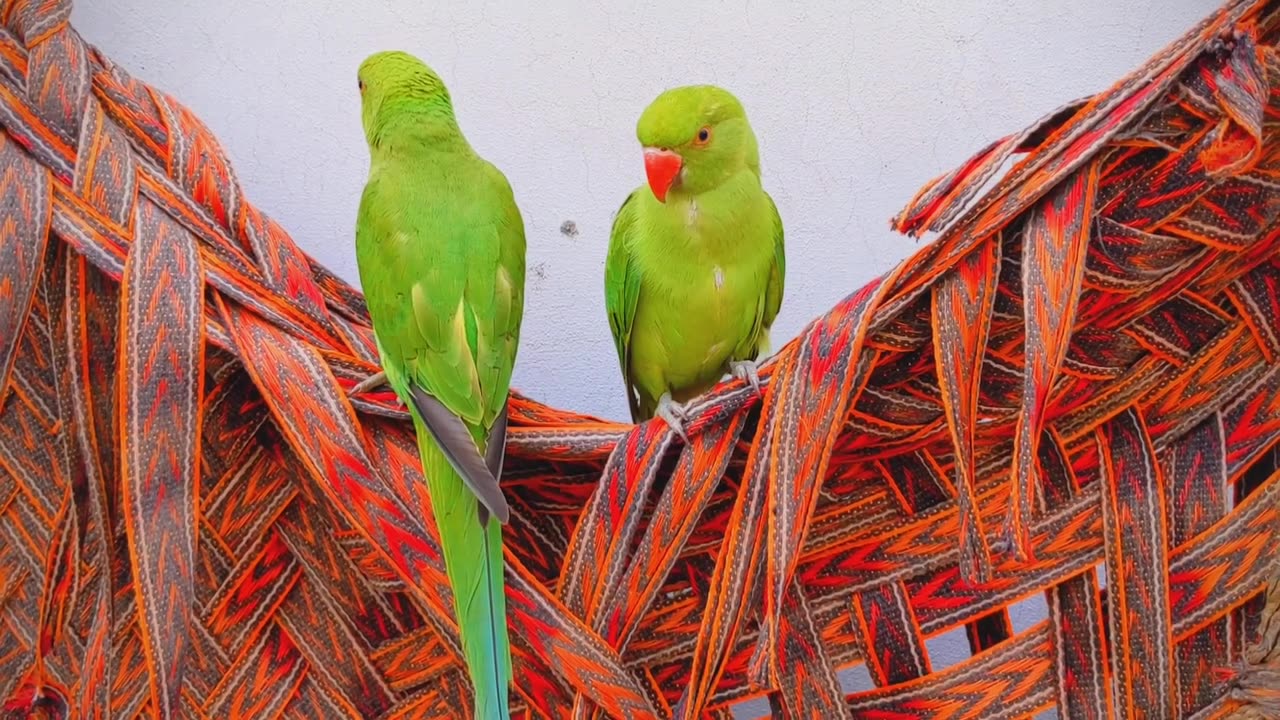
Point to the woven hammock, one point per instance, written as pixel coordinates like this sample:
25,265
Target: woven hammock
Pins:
1072,393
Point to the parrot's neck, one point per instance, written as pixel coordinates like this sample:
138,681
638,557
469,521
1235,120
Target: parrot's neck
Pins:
709,219
428,128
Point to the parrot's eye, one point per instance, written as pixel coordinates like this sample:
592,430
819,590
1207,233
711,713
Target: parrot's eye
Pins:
704,136
361,83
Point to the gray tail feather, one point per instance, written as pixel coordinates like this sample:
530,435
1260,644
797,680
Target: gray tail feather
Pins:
460,450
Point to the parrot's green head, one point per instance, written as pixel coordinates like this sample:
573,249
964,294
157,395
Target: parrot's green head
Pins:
695,138
401,97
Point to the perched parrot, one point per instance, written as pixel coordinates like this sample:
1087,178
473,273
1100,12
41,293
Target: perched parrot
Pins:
441,250
694,274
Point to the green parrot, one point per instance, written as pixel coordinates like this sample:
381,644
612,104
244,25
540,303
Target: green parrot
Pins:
694,274
441,251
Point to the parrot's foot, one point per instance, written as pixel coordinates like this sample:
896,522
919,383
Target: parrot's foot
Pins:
747,371
369,383
674,414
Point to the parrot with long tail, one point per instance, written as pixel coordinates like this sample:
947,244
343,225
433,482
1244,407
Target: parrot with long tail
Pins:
440,247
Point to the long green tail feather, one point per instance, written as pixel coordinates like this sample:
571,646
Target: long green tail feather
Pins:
473,560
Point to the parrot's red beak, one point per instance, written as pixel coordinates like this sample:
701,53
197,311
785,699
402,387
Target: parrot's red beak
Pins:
661,166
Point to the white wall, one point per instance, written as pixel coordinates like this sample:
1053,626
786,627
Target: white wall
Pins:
856,104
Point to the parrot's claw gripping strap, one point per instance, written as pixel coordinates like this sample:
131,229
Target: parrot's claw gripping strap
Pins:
369,383
674,414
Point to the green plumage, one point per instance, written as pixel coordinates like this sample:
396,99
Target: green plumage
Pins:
441,251
693,283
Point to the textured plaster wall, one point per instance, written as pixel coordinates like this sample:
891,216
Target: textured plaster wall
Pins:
856,104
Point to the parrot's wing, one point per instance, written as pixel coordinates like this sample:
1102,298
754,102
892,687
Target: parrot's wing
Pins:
498,306
777,275
446,391
621,293
486,328
755,345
